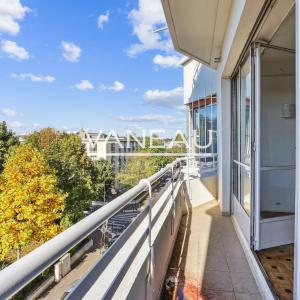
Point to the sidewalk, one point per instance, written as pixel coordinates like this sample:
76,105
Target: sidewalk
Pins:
82,267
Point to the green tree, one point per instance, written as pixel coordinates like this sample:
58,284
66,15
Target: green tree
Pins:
7,140
75,170
140,167
31,205
136,169
104,178
43,139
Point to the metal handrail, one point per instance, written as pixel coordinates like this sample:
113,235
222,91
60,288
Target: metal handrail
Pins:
16,276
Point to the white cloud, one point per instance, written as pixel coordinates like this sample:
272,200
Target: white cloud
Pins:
148,17
15,124
32,77
169,98
36,125
13,50
11,11
102,19
8,112
148,118
71,52
84,85
117,87
168,61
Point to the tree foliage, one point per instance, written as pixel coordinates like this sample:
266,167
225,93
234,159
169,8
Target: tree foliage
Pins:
78,175
104,177
43,139
140,167
7,140
135,170
31,205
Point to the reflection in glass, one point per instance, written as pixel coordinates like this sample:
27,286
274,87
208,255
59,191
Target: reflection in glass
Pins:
241,134
246,190
205,126
278,134
245,112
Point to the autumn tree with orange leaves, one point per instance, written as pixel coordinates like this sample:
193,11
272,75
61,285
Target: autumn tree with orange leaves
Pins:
31,205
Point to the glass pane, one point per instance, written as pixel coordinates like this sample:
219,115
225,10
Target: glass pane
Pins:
205,126
278,133
235,180
235,139
245,119
241,133
246,190
277,193
278,122
235,113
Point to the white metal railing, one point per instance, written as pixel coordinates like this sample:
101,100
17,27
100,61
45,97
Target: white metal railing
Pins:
16,276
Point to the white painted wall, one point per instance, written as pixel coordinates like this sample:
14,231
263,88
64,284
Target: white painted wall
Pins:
224,142
203,190
199,81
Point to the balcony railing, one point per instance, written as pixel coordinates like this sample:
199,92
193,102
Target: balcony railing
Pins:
135,264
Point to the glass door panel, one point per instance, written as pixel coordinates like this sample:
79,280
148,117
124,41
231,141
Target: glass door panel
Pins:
275,126
241,134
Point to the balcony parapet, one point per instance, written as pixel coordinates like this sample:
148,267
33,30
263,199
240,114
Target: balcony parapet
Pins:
131,256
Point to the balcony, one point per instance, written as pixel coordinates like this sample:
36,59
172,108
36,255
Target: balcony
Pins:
207,261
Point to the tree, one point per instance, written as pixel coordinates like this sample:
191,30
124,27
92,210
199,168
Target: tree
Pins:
7,140
31,205
136,169
140,167
44,138
75,170
103,178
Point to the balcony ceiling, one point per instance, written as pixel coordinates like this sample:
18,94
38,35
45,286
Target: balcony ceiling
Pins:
197,27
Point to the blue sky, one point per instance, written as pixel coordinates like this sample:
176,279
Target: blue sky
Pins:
95,64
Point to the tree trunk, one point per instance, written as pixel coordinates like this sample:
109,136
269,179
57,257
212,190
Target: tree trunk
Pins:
18,254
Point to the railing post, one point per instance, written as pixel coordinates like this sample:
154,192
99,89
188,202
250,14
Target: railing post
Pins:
173,200
151,265
188,175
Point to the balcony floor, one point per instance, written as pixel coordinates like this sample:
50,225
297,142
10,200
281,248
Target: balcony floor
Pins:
208,260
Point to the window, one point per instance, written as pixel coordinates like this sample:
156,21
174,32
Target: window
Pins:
205,128
241,135
92,147
113,148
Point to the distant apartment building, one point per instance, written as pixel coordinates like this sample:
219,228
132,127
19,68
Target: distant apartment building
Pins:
114,149
200,99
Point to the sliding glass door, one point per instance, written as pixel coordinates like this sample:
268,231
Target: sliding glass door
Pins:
241,146
275,125
263,146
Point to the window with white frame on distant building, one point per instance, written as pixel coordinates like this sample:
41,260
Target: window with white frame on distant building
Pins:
204,124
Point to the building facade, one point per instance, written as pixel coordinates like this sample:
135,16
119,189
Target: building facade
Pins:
115,150
251,45
201,103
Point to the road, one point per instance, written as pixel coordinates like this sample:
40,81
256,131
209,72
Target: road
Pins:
86,262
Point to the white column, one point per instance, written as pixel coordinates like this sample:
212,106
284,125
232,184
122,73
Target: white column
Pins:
297,200
190,128
224,143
